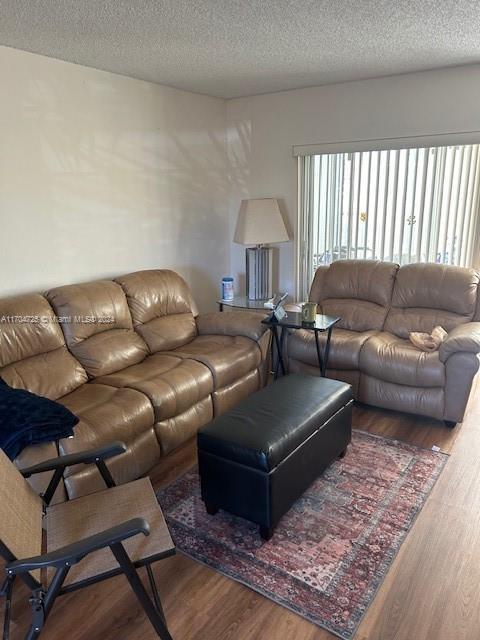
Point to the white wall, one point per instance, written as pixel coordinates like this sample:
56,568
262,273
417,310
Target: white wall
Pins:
102,174
263,129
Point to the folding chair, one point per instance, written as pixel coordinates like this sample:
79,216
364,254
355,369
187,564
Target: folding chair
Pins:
88,539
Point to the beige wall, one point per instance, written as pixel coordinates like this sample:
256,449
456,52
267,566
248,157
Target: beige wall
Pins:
263,129
102,174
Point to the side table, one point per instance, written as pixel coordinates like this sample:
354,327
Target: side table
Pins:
293,320
242,302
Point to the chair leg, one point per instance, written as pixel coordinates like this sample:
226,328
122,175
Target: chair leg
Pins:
6,590
156,596
42,603
139,590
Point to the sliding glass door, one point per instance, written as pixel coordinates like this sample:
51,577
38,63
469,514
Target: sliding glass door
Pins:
402,205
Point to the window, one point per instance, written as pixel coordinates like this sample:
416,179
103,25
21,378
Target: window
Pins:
402,205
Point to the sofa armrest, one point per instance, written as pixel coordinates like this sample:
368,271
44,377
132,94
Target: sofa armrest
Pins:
464,338
238,323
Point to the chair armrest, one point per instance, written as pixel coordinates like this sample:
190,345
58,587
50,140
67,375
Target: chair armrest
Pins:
89,456
73,553
238,323
465,337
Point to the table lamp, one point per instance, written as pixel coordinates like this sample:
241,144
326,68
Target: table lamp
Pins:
259,222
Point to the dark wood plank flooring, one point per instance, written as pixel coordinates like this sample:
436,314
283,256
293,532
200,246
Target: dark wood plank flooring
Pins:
432,591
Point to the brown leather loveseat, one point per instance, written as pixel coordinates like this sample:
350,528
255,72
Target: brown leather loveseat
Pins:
134,361
379,304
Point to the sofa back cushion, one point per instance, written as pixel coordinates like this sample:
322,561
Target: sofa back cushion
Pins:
98,326
162,308
358,291
427,295
33,354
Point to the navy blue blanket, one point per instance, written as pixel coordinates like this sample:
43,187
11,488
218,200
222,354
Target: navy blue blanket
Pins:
26,419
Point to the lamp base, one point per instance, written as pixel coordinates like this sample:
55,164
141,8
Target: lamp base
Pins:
259,273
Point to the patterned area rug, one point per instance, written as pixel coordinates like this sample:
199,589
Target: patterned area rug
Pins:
332,550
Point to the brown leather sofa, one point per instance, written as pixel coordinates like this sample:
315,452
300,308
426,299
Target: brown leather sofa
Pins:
379,304
134,361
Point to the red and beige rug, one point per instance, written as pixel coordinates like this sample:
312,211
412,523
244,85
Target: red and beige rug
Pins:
332,550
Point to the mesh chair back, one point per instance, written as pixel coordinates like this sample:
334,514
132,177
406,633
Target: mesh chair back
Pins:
20,514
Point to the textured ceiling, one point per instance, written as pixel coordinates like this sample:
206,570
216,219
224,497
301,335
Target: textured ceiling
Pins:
232,48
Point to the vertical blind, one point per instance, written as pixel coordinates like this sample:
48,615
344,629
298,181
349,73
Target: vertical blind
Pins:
402,205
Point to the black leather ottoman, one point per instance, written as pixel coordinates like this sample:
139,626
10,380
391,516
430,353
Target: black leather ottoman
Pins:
258,458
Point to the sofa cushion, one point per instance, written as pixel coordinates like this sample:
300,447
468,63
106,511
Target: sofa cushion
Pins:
425,401
427,295
317,289
172,384
227,397
142,454
99,330
345,347
369,280
33,354
174,431
162,308
106,414
388,357
228,357
358,291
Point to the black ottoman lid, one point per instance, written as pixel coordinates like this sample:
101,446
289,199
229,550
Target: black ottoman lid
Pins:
266,427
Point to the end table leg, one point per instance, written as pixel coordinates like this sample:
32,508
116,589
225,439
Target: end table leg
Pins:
321,363
277,346
272,351
327,350
280,352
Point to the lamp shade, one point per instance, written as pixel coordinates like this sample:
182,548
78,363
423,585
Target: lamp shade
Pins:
260,222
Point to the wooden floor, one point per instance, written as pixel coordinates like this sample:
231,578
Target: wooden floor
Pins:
432,591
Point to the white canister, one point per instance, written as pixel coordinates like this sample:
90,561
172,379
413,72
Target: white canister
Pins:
227,288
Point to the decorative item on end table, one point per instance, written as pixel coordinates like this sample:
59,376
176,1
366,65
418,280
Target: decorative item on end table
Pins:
309,312
227,288
278,312
259,222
